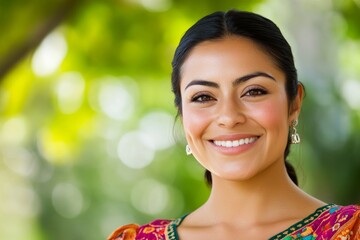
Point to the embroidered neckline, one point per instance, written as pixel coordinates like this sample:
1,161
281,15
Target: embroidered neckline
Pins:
305,221
171,229
172,234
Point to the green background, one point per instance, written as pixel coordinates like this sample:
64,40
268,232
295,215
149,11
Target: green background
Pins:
88,138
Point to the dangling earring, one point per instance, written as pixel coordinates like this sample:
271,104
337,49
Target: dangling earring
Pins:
188,150
295,138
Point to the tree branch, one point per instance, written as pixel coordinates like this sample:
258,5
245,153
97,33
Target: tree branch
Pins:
35,37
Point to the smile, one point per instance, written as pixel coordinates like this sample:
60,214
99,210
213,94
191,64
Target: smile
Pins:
235,143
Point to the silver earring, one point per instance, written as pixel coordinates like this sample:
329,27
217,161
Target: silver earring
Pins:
295,138
188,150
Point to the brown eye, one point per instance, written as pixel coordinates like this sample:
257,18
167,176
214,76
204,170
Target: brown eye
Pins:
255,92
202,98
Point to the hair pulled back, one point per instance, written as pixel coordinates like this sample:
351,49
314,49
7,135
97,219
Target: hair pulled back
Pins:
244,24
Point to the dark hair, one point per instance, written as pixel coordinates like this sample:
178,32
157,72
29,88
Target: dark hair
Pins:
245,24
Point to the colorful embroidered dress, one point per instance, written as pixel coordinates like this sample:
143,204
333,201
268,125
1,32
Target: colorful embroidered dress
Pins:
331,222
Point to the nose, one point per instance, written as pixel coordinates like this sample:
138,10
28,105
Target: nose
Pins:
230,114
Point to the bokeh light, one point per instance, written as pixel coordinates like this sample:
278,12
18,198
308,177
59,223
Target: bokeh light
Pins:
21,161
350,92
67,200
49,54
134,151
150,196
158,125
14,131
69,90
113,96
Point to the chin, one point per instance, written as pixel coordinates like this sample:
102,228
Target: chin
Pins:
237,176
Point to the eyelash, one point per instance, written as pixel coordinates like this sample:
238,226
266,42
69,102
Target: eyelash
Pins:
200,98
252,92
255,91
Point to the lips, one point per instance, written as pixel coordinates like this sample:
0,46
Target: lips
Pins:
234,143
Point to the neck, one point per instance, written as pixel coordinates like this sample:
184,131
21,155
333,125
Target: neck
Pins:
263,196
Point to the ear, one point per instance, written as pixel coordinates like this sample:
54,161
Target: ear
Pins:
296,104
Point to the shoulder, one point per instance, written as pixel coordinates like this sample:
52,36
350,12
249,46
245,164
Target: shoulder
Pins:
340,222
154,230
328,222
346,223
341,214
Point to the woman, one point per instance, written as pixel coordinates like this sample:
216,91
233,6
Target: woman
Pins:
239,99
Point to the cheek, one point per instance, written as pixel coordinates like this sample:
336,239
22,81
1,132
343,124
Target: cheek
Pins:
195,121
271,115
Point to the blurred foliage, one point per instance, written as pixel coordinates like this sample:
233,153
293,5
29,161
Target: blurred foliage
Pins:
86,126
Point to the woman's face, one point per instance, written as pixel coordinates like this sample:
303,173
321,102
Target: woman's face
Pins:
235,111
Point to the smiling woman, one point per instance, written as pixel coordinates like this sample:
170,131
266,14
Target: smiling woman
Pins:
239,99
246,102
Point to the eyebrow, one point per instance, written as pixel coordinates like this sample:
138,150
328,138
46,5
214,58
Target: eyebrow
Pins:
235,82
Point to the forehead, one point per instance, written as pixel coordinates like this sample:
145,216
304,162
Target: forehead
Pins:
231,55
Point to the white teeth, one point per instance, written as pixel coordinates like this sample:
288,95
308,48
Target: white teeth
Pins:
235,143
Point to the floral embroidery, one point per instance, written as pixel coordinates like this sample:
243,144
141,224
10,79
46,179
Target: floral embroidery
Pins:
148,229
328,222
127,232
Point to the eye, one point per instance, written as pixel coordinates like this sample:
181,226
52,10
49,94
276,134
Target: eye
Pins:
254,92
202,98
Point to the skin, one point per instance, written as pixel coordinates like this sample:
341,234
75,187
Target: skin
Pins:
231,89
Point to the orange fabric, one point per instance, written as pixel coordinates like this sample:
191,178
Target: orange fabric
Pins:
351,230
356,227
126,232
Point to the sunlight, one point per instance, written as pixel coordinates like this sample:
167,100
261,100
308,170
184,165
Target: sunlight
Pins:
156,5
49,55
70,91
350,91
158,125
115,101
67,200
134,151
153,5
14,131
150,196
54,147
20,161
113,97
